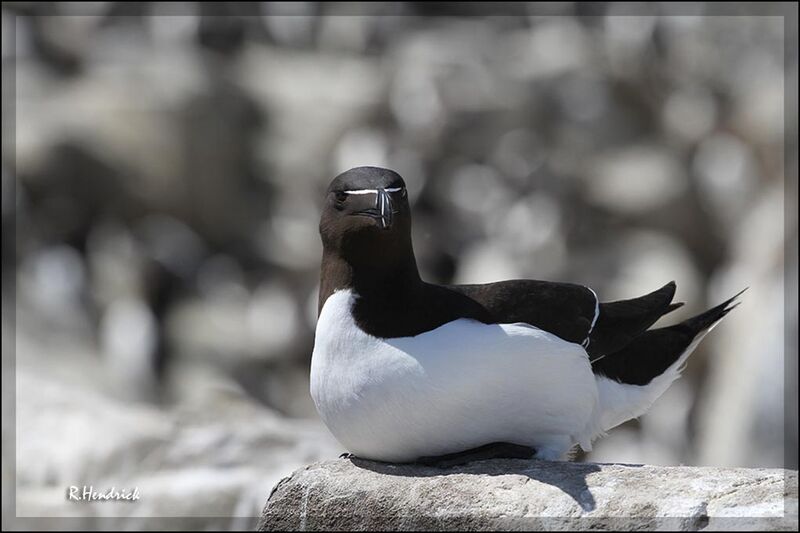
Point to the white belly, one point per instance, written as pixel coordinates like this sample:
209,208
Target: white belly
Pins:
460,386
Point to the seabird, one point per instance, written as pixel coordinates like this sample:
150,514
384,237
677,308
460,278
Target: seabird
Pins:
408,371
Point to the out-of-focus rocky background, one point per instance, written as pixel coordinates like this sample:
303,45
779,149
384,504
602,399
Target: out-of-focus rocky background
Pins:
161,187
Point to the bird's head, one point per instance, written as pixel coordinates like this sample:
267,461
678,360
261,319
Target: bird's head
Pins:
366,218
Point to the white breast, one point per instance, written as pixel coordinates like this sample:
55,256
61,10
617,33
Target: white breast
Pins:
460,386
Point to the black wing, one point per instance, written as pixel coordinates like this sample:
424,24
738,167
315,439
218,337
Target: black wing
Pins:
572,311
618,323
564,309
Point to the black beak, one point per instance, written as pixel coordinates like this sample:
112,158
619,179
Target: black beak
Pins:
381,210
384,207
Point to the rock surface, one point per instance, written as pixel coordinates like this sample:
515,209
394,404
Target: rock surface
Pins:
353,494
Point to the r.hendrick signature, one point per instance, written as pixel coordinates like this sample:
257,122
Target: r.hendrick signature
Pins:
88,494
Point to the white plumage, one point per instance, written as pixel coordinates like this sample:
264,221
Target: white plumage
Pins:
463,385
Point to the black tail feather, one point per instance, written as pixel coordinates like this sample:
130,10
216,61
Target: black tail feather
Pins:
673,306
707,319
654,351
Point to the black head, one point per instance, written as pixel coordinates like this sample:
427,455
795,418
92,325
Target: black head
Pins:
366,217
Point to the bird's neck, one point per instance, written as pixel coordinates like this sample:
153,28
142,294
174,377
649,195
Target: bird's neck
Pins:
391,280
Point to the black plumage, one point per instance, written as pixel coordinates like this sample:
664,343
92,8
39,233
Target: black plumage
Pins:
366,235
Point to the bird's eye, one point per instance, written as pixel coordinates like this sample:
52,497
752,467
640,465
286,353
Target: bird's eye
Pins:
340,197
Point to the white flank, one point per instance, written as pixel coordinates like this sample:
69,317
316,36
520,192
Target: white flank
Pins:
460,386
463,385
620,402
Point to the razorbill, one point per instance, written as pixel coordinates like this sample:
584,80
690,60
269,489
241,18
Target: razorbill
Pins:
403,370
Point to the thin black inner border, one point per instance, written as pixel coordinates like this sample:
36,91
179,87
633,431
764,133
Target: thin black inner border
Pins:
789,12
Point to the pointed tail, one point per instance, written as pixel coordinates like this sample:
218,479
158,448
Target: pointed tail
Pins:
630,380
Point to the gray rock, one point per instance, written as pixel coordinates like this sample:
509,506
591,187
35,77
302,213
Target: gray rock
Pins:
355,495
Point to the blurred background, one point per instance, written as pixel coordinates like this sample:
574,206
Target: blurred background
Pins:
163,171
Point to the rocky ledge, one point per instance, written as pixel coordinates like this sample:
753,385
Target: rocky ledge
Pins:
352,494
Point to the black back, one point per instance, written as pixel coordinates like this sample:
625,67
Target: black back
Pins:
378,264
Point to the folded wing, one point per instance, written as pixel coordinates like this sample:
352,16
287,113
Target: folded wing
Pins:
572,311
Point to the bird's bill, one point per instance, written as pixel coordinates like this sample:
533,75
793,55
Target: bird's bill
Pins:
380,206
